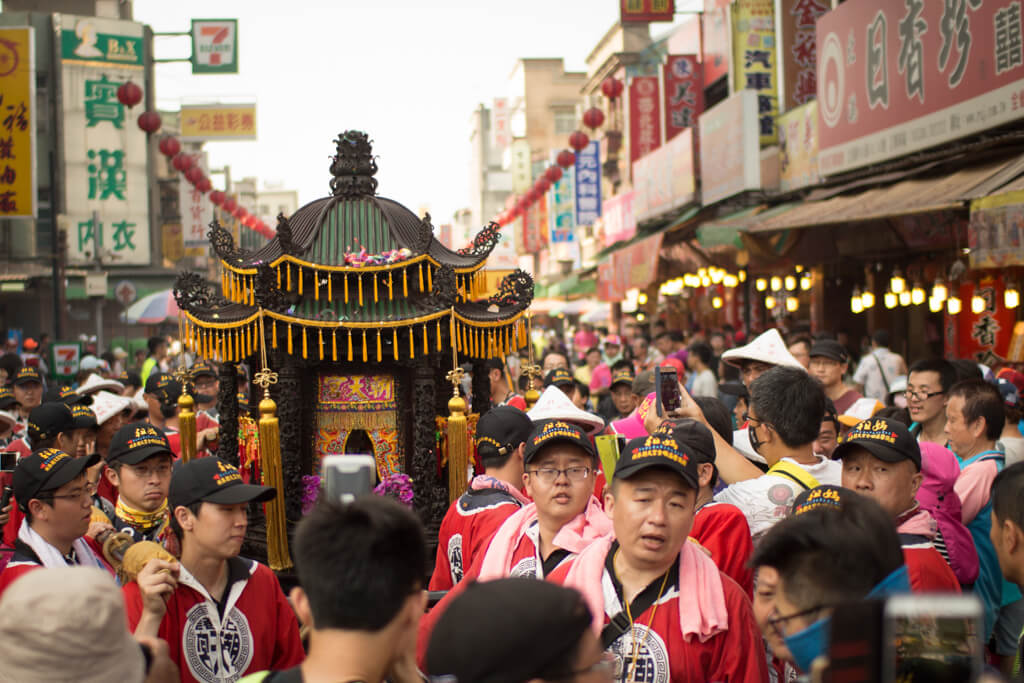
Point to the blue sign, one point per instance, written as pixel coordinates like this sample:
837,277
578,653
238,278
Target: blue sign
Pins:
560,209
588,184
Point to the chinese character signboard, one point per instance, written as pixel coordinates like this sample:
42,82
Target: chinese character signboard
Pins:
798,147
796,19
730,154
644,116
633,267
561,213
983,337
715,45
105,152
196,211
519,166
619,219
664,180
500,122
215,46
218,122
684,93
588,184
646,10
17,123
994,233
754,60
898,77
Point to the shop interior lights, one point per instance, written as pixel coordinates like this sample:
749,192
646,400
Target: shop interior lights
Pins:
855,304
743,276
792,303
641,298
1011,296
904,298
953,305
939,290
896,283
790,283
867,299
776,282
917,294
730,281
805,281
760,284
769,302
934,304
716,275
890,299
978,304
716,302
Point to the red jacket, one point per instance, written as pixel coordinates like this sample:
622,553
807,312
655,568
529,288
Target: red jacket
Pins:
722,528
929,572
25,560
258,630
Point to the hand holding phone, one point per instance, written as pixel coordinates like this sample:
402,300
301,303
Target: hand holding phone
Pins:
666,384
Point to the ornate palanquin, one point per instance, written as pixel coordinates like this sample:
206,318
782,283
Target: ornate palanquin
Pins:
360,308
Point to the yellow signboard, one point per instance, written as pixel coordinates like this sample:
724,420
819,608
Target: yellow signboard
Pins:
218,122
17,123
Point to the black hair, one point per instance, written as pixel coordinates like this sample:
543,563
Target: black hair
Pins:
792,402
11,362
38,444
947,373
831,415
702,351
153,343
583,389
592,349
826,556
966,369
982,400
719,420
1008,495
800,339
621,364
173,521
359,562
664,333
522,382
556,352
895,413
881,338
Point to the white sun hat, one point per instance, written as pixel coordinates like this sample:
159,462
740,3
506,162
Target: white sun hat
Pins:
553,404
767,347
9,418
94,383
106,405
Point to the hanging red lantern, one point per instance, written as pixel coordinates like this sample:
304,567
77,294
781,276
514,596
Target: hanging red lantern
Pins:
169,145
593,118
565,158
239,212
612,88
150,121
229,205
129,94
194,175
182,162
579,141
217,197
543,184
204,185
554,174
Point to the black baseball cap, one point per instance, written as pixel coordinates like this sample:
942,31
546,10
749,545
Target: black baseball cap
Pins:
26,374
164,387
559,377
677,450
540,627
556,431
129,378
83,416
830,348
46,470
211,480
624,376
201,368
7,399
136,442
888,440
63,393
500,431
47,420
644,383
825,497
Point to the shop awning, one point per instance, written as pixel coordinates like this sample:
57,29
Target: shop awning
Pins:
916,195
580,283
676,223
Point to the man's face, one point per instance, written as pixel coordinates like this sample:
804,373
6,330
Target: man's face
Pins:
1004,536
802,352
664,345
29,395
69,511
963,435
152,405
107,430
827,439
766,585
624,399
752,369
161,351
612,350
593,359
76,442
218,530
919,385
555,360
892,485
578,399
740,410
640,347
717,342
207,385
785,607
652,513
143,486
560,496
827,371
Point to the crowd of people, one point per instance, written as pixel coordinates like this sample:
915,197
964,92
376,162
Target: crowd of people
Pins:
605,534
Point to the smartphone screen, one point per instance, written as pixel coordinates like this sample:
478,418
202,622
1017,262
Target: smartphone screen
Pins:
668,389
932,638
8,460
346,477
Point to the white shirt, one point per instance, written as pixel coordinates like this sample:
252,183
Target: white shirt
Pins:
1013,447
870,376
766,499
704,384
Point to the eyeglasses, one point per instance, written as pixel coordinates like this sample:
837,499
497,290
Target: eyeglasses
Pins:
747,417
78,494
549,475
921,395
776,621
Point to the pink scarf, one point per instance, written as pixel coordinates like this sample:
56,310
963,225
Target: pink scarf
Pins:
483,481
574,536
699,580
918,522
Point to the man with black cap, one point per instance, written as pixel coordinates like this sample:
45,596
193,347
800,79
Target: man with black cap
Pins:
222,616
27,386
161,395
563,379
622,393
662,607
830,362
207,386
55,498
139,467
492,496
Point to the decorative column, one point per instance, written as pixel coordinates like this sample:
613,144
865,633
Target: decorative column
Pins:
431,500
227,406
288,395
481,388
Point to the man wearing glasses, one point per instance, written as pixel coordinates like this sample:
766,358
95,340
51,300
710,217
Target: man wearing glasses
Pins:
927,384
54,495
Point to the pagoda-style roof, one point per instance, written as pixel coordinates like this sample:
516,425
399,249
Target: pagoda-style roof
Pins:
354,273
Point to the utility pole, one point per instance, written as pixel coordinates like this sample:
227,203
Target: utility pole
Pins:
100,275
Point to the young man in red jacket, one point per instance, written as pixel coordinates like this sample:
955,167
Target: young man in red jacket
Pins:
492,497
881,460
222,616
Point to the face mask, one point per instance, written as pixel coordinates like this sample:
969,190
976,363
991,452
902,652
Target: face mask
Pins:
809,644
205,398
755,442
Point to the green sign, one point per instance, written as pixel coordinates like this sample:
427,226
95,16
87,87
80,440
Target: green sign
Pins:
86,44
215,46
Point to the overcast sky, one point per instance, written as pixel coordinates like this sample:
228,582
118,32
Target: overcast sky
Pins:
408,72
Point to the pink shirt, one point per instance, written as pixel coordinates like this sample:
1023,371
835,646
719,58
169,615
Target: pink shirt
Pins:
973,487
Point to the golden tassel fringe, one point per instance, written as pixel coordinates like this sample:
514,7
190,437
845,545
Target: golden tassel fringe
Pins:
270,452
364,346
187,426
378,347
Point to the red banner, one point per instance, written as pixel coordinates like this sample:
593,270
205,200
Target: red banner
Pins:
646,10
619,219
898,77
644,117
633,267
798,55
684,94
984,337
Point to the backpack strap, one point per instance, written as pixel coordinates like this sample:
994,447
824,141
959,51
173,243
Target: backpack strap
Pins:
885,381
795,472
620,624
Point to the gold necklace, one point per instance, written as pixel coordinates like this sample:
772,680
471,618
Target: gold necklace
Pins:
647,633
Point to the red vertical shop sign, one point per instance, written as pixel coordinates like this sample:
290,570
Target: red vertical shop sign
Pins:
644,116
798,53
985,336
684,94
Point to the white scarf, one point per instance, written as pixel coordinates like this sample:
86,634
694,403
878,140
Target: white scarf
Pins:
50,557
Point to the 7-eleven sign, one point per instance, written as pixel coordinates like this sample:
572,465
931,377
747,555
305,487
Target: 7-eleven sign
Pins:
215,46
